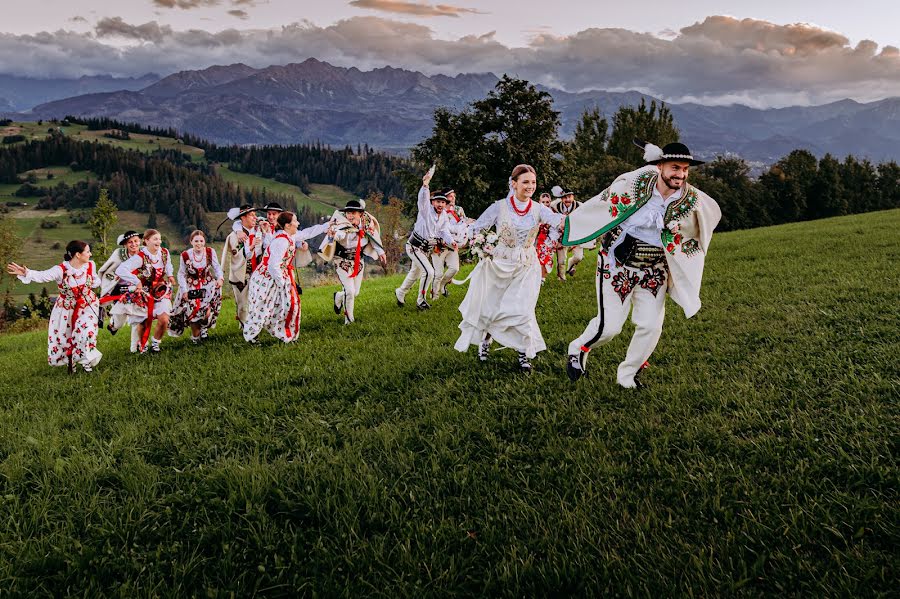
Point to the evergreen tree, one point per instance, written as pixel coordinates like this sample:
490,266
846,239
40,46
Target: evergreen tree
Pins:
103,219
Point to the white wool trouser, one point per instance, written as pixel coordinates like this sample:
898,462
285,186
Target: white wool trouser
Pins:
421,270
446,265
242,301
641,291
351,286
562,266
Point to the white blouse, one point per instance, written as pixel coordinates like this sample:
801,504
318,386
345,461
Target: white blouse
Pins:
74,276
124,270
522,223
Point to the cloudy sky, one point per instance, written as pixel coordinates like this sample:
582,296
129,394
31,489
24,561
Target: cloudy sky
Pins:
761,53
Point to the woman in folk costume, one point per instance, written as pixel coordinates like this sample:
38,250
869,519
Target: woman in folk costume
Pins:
565,204
655,231
445,258
544,244
243,250
199,299
72,334
353,234
274,295
150,275
111,287
504,287
431,225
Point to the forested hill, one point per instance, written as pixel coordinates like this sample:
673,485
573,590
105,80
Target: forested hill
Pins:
361,173
164,181
184,180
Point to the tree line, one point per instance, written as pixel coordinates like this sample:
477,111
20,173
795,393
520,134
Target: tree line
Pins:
476,148
163,182
361,172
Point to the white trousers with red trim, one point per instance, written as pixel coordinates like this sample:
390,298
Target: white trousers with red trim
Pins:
351,286
446,265
421,269
647,309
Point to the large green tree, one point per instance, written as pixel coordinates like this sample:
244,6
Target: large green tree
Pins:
477,148
587,169
654,124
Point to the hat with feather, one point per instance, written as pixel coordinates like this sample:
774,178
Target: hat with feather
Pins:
675,151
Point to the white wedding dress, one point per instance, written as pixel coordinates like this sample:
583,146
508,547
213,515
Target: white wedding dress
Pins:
504,288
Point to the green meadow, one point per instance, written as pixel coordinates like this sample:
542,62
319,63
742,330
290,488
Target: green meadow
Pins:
374,460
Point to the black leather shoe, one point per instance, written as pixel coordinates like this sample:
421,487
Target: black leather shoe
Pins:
573,368
337,309
423,306
637,378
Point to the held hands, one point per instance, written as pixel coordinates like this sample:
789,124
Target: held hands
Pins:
219,283
15,269
304,246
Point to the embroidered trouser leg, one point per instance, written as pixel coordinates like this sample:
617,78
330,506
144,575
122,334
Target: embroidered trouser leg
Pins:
643,292
421,269
647,314
351,287
241,301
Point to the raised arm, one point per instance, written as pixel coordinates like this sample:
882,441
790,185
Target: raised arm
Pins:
54,274
310,232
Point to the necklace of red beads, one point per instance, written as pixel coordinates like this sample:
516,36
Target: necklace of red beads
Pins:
512,201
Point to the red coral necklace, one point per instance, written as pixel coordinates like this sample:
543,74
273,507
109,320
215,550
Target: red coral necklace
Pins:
512,201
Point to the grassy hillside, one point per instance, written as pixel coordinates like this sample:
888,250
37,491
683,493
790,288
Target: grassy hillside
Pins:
376,460
247,181
42,247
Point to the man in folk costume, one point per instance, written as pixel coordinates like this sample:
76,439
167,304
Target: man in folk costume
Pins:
431,224
565,204
111,287
655,231
266,227
244,249
353,234
444,258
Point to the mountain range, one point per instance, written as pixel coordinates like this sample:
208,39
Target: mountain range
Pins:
392,109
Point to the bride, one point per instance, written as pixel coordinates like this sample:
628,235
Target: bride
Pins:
504,287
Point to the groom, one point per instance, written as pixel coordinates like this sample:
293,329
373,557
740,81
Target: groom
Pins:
655,231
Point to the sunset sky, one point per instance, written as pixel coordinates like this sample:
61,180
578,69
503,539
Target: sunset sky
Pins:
761,53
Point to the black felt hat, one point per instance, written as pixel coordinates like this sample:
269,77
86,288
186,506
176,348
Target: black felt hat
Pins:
358,205
675,151
273,206
124,237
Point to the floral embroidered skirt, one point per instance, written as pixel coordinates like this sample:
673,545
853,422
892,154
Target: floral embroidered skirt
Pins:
204,312
272,306
79,337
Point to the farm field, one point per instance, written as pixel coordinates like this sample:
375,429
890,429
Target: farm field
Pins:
374,460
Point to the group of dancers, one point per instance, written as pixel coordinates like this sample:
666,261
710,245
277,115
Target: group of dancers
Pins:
653,228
